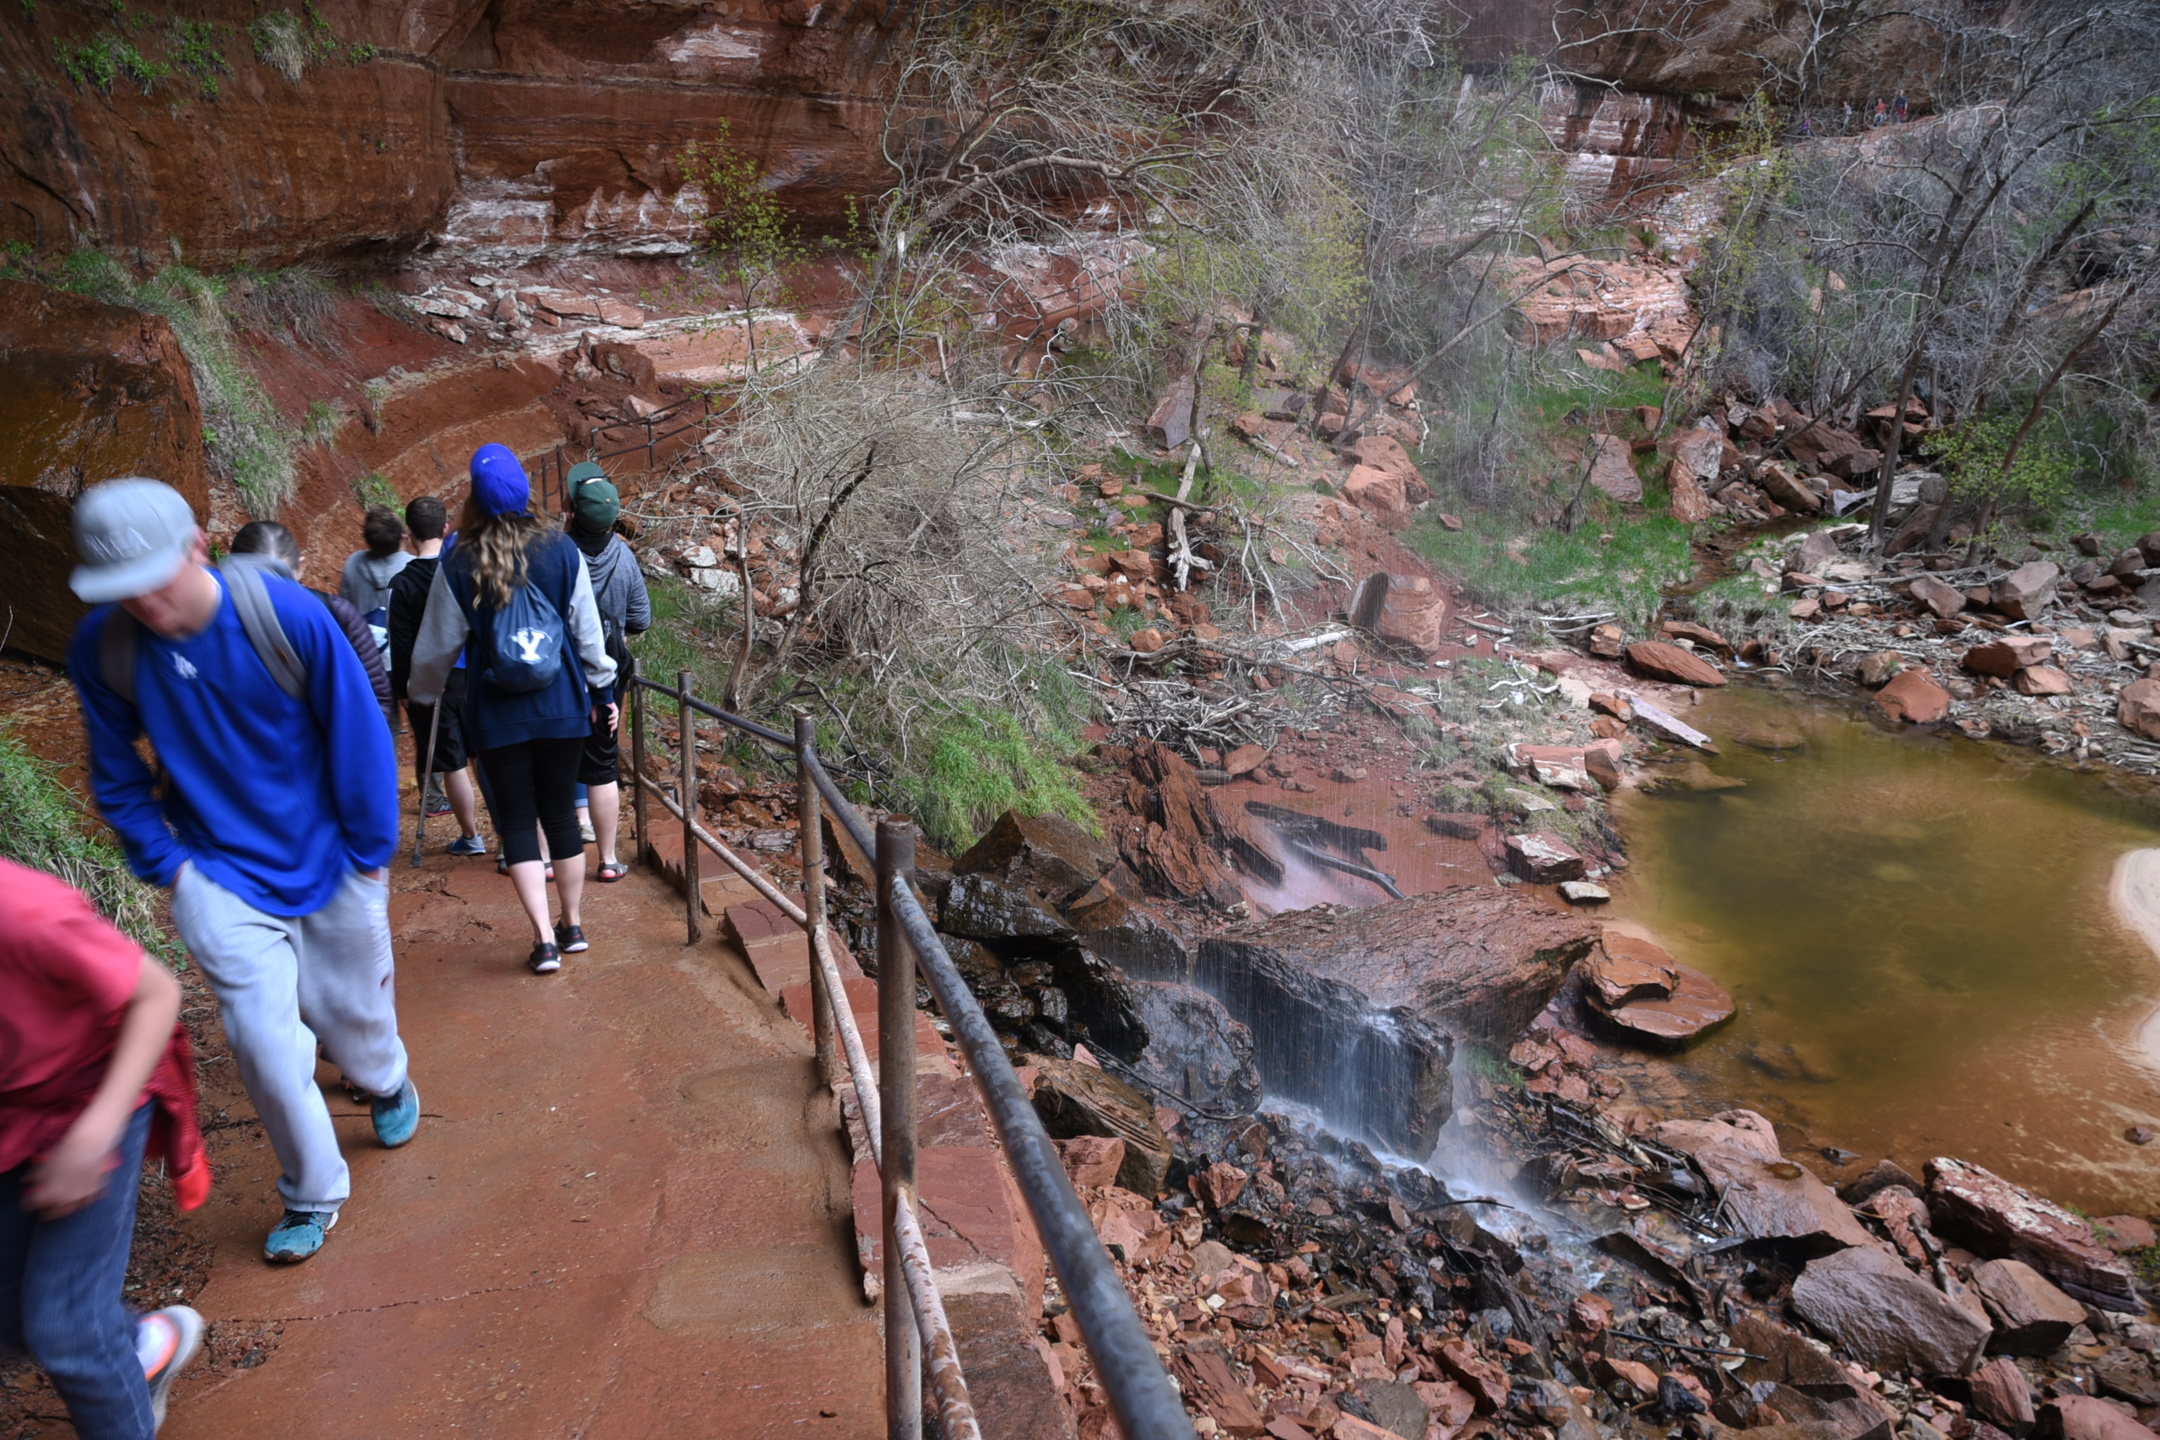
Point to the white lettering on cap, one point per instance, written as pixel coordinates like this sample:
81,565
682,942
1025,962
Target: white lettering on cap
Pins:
127,545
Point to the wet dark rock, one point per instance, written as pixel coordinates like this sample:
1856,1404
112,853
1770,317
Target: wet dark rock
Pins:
1102,1006
1047,854
976,964
1006,1007
1675,1401
1051,1005
982,908
1995,1218
1866,1302
1195,1050
1075,1099
1350,1009
1114,923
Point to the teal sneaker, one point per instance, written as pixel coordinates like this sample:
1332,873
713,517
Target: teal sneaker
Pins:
396,1116
298,1236
468,845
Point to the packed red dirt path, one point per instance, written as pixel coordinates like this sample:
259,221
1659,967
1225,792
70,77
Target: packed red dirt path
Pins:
626,1212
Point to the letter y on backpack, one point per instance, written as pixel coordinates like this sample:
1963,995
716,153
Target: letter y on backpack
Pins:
528,643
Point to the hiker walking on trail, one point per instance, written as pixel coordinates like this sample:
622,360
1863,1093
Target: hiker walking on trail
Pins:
1901,109
274,824
625,609
365,583
95,1076
1882,113
428,521
516,593
275,546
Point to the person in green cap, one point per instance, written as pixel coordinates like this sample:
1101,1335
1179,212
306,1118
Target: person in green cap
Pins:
618,587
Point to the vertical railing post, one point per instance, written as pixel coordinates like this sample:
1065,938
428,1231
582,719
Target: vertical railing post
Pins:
896,1095
807,817
634,701
686,729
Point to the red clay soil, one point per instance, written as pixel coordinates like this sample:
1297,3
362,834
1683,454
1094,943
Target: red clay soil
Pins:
626,1213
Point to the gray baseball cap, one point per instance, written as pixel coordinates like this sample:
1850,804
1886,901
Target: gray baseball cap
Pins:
132,535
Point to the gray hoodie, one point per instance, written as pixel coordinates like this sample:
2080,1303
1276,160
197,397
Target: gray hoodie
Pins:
366,582
618,587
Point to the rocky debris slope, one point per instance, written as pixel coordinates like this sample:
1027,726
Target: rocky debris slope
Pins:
2016,647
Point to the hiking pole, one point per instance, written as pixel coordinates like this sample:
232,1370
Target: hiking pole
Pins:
427,770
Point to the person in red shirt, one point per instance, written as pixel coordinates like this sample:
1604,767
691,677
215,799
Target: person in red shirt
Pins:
95,1076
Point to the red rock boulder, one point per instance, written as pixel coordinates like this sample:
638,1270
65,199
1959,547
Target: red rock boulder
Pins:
1913,698
1660,661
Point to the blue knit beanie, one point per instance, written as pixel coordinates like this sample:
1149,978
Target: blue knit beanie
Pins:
498,481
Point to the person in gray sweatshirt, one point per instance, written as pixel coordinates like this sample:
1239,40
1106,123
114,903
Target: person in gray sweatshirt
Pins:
368,573
618,587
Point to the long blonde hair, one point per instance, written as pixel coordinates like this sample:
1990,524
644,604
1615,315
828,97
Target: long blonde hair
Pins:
497,544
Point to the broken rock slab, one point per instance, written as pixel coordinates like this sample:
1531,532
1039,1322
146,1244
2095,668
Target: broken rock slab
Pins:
1543,858
1075,1100
2032,1317
1612,469
1044,853
1663,1002
1661,661
1819,1398
1865,1301
1767,1196
2026,592
1992,1217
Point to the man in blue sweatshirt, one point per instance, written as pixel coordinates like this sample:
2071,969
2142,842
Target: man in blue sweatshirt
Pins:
277,820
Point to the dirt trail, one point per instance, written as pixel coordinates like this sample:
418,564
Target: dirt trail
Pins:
626,1213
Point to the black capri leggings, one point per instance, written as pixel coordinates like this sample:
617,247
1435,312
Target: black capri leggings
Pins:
535,783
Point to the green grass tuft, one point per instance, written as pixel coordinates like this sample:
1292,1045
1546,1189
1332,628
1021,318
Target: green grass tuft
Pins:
47,830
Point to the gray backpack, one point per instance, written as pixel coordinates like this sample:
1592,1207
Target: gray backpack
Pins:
243,574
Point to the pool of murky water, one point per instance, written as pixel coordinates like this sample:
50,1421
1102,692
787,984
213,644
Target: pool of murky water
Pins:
1917,931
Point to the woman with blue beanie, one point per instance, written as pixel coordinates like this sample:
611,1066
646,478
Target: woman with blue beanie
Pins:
514,594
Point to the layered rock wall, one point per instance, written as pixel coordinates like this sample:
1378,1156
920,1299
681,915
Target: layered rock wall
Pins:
504,129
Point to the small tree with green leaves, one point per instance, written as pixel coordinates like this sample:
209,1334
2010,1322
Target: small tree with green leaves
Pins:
749,237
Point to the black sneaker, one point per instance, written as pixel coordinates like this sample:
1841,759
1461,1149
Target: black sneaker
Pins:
544,960
571,938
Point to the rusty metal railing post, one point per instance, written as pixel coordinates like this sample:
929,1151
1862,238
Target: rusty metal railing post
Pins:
686,732
896,1098
812,836
633,693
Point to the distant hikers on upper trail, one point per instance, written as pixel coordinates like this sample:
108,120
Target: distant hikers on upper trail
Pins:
272,818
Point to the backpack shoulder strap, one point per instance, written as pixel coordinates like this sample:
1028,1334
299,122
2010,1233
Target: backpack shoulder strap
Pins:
251,601
116,653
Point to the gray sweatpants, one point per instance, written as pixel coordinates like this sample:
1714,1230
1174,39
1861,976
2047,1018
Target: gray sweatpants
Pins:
282,982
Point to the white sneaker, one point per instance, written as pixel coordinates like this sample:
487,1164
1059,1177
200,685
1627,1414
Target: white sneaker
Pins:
165,1341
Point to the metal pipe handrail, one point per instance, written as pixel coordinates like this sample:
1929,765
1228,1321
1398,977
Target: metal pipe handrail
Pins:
1132,1375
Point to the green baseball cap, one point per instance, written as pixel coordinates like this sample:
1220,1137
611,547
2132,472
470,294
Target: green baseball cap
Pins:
592,499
